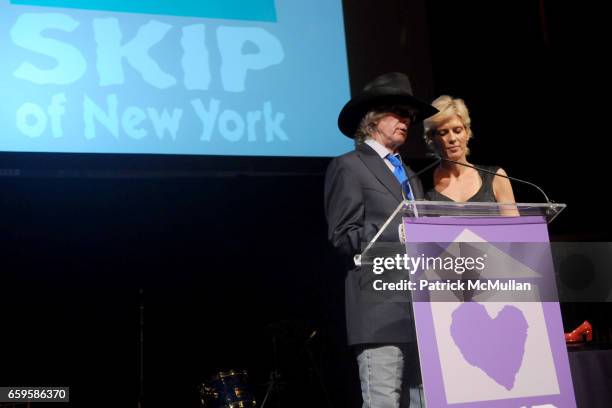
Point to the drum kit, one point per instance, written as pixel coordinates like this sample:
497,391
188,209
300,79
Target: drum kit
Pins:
232,389
228,389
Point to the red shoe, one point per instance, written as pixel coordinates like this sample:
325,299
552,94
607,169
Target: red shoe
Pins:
580,334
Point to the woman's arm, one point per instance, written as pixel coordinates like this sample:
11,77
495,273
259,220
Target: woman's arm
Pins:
504,194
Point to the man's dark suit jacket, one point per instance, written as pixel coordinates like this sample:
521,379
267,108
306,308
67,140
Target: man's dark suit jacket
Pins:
361,192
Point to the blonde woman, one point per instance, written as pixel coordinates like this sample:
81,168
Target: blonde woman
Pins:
448,133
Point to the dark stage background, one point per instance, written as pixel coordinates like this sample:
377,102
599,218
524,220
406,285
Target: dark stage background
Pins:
213,265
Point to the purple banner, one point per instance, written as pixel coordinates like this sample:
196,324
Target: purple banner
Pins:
490,354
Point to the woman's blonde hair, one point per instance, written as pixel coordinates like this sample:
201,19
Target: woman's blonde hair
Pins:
448,107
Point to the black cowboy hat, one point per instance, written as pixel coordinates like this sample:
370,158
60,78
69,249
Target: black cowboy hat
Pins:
392,88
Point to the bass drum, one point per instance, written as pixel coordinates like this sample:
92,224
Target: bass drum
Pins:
228,389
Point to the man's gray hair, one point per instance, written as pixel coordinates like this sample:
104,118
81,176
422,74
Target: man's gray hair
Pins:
367,126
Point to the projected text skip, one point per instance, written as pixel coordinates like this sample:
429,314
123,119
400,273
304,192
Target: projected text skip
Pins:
112,52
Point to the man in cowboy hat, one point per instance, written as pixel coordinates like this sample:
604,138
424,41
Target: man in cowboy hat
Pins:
362,189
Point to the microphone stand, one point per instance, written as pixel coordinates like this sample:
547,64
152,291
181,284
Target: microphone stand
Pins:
274,385
357,257
141,349
424,169
440,158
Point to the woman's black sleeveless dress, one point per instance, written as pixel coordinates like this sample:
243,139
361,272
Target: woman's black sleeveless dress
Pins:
483,195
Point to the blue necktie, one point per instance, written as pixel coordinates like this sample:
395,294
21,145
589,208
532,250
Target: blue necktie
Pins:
400,175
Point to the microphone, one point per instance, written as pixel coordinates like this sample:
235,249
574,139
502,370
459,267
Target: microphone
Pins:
440,158
424,169
400,227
